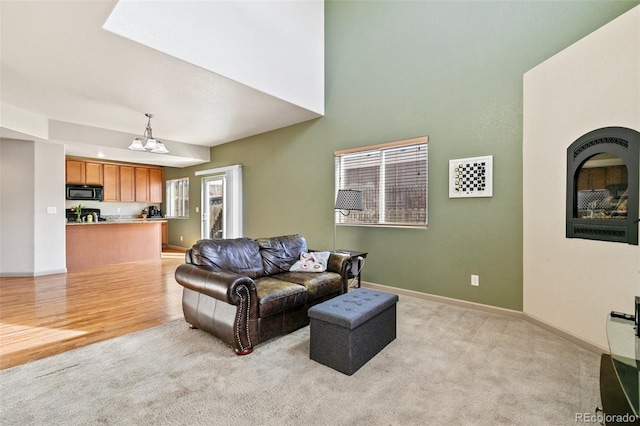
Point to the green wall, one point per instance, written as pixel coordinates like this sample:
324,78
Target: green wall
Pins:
397,70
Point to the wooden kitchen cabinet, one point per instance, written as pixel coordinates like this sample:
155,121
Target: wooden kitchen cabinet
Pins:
93,173
155,185
121,182
75,171
142,184
127,184
111,177
83,172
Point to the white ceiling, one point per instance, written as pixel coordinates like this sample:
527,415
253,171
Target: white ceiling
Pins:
58,63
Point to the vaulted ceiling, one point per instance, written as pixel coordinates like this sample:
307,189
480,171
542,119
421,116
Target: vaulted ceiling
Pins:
84,73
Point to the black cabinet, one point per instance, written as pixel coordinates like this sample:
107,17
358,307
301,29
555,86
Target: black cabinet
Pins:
614,402
620,373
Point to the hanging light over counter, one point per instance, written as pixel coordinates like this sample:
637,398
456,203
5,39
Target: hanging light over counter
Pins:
150,144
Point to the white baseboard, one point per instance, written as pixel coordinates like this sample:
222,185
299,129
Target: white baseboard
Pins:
447,300
29,274
592,347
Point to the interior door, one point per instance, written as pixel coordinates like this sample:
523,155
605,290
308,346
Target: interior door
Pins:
214,213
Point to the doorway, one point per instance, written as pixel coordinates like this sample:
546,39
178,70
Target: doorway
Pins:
221,202
213,211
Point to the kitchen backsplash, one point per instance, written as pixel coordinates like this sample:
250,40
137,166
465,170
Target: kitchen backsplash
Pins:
111,208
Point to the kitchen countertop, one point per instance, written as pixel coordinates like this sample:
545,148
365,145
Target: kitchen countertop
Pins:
121,221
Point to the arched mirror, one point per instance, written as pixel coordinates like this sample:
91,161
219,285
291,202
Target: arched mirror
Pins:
602,186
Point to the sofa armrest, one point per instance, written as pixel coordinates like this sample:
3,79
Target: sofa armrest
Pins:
233,315
221,285
340,263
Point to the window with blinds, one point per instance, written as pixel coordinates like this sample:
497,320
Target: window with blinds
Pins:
393,181
177,198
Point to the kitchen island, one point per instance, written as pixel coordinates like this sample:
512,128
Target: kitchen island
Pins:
92,244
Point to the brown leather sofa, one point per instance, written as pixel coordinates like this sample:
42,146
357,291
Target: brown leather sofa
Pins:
242,292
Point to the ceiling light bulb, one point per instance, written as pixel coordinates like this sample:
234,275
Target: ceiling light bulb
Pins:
136,145
151,144
160,148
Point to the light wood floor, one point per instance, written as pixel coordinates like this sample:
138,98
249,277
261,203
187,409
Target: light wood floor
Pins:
46,315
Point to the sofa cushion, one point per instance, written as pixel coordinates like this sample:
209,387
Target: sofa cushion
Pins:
279,253
277,296
317,285
239,255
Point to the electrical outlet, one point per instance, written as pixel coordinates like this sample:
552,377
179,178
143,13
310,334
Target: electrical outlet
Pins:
475,280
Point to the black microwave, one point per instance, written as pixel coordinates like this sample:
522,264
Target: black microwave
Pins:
84,192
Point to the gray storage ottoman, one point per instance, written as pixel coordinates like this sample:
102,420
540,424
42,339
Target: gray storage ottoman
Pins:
348,330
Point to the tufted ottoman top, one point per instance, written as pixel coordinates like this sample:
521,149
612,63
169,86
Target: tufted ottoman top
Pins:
351,309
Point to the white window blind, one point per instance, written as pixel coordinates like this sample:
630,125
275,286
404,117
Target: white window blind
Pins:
393,181
178,198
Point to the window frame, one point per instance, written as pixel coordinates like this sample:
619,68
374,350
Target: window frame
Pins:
181,198
382,150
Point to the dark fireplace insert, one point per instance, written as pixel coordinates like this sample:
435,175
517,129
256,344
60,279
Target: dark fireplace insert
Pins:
602,186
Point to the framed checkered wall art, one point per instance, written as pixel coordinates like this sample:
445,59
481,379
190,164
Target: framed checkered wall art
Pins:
471,177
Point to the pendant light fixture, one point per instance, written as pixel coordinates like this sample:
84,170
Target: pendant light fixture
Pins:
150,144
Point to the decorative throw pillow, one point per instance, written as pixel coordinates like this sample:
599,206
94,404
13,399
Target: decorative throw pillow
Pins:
311,262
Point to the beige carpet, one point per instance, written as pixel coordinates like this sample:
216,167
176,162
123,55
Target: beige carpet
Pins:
448,366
